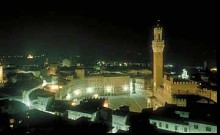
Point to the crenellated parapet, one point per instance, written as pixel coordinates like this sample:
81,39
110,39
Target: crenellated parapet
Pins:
184,82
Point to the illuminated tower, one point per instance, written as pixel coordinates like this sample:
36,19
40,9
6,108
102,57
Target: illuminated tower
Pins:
1,73
158,46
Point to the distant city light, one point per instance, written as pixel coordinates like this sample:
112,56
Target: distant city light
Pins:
168,65
30,56
184,74
214,69
172,73
12,120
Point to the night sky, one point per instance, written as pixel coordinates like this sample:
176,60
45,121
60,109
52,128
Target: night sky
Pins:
111,30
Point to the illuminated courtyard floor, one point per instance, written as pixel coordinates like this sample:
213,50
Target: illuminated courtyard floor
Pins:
136,102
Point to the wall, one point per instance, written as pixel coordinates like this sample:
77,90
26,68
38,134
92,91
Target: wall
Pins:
76,115
202,128
180,127
119,122
171,126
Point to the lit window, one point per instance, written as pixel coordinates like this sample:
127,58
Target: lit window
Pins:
154,123
160,124
167,126
208,128
175,127
185,129
196,126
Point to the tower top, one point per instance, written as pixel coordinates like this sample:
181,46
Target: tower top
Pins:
158,24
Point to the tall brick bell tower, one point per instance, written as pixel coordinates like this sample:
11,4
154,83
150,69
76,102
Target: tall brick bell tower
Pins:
157,46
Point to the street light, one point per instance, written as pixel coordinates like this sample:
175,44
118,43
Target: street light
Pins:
76,92
90,90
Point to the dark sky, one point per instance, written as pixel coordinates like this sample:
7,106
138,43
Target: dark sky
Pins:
110,29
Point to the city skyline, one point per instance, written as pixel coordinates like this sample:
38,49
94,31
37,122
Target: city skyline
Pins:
117,32
108,68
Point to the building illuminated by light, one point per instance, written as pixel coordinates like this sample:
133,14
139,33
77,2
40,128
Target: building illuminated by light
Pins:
1,73
92,85
158,47
165,87
2,81
52,69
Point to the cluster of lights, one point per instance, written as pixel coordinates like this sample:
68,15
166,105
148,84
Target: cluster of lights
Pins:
16,56
214,69
21,56
123,64
100,63
30,56
168,66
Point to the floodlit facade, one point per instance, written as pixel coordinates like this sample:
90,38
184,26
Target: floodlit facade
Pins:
164,87
185,121
173,87
1,73
74,115
183,127
43,103
66,63
158,47
119,123
2,81
93,85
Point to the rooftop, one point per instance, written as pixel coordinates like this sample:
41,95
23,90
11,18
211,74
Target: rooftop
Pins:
208,115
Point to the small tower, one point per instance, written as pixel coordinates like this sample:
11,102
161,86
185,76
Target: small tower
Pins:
157,46
1,74
2,81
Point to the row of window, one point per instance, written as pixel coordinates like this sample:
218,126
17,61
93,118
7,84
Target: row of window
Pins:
176,127
207,128
185,128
